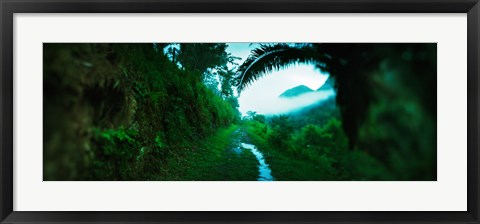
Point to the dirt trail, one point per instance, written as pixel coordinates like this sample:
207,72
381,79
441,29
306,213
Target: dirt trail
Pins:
239,147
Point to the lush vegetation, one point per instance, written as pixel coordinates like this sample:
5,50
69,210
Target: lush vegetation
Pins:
386,94
170,112
120,111
299,149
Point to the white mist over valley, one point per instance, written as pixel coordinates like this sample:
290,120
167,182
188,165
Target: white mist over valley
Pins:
279,105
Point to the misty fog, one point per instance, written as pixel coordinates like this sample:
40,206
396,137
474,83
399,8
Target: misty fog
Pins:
274,106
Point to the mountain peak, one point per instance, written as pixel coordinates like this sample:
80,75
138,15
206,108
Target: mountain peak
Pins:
295,91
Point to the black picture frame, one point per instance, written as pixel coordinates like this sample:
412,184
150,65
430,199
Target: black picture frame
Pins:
9,7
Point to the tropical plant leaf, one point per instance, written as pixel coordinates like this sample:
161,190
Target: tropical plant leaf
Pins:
270,57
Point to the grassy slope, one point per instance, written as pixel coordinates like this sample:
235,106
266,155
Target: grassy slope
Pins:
211,160
284,167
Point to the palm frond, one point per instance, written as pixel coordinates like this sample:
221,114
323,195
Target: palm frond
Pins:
270,57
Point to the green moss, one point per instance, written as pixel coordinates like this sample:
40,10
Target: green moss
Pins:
212,159
119,111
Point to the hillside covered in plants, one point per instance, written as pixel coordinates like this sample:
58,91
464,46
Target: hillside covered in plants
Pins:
168,112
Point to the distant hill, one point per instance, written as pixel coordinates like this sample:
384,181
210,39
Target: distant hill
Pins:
328,85
295,91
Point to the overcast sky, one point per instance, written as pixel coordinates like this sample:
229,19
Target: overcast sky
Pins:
262,95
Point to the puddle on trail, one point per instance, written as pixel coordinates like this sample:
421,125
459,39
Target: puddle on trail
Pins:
265,172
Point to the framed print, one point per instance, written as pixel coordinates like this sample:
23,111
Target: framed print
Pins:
239,111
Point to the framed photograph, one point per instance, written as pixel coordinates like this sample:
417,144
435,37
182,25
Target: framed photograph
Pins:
242,111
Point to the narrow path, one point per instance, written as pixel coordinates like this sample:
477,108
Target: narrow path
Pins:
264,171
265,174
224,156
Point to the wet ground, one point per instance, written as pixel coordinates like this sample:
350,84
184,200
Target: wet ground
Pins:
240,146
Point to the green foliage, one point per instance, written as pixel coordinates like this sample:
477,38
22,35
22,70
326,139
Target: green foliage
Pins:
116,157
260,118
312,152
281,130
227,82
270,57
132,105
212,160
386,94
202,56
130,112
160,140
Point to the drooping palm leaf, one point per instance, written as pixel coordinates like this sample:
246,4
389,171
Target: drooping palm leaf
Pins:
270,57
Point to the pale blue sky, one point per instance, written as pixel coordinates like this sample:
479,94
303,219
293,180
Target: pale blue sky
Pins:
262,95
